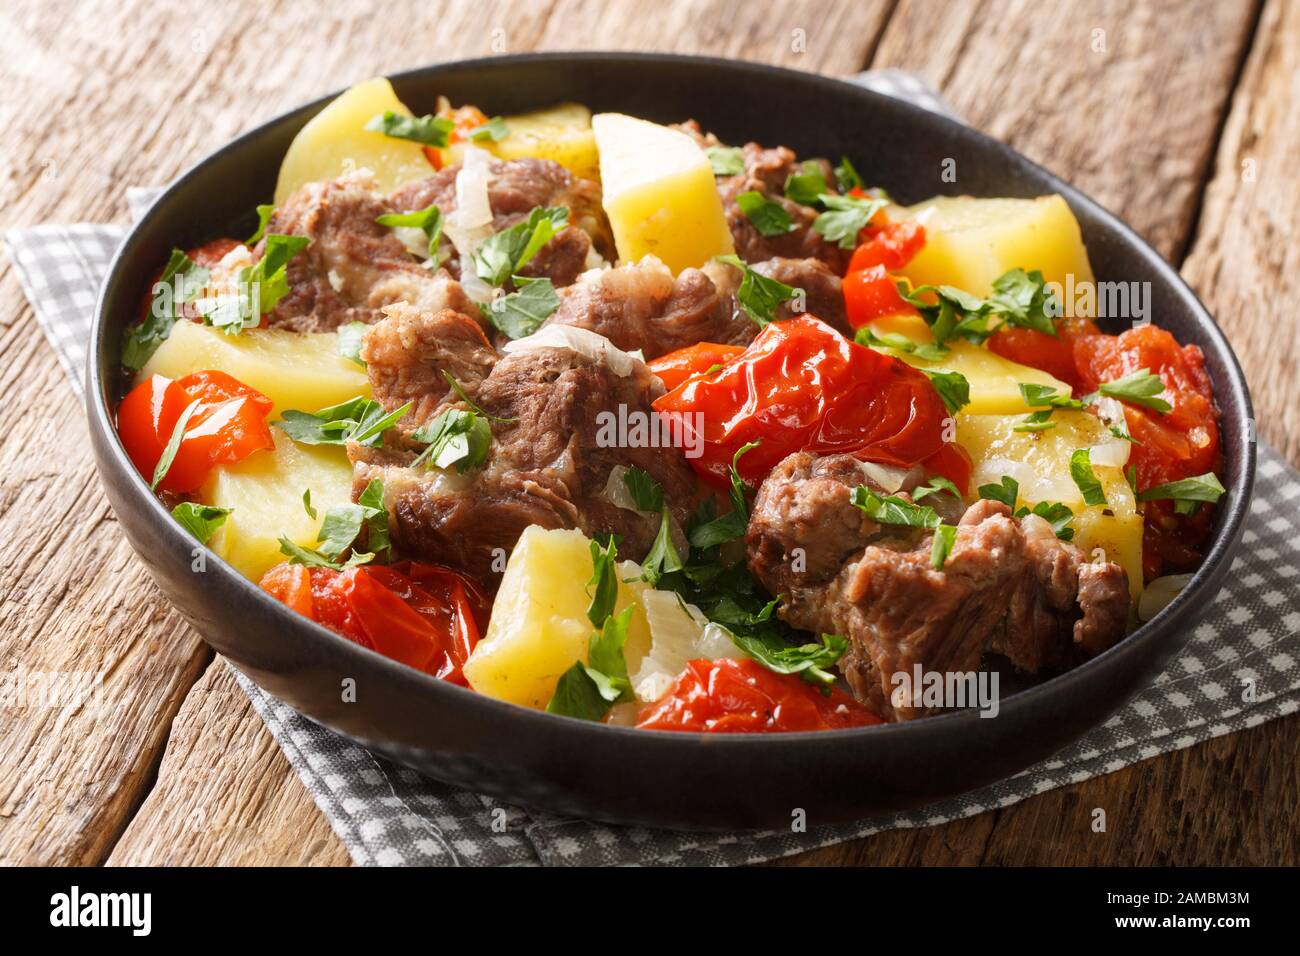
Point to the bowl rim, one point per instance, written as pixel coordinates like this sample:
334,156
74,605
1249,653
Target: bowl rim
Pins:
1199,589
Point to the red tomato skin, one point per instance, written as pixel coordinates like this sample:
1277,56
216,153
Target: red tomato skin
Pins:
677,367
1180,444
802,386
1053,354
871,293
892,246
742,696
228,425
423,615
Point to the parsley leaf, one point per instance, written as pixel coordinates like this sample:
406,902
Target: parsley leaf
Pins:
952,387
1206,487
361,420
812,661
944,537
936,485
341,528
264,214
257,287
456,437
428,219
173,444
1037,396
1019,298
429,130
893,340
1039,421
182,279
306,505
768,217
1140,388
202,521
504,254
1085,478
522,313
845,217
847,176
735,522
759,296
587,691
494,129
892,509
604,577
645,491
1055,514
806,185
1006,492
726,160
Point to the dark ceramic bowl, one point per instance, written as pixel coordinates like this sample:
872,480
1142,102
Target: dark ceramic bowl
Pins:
611,773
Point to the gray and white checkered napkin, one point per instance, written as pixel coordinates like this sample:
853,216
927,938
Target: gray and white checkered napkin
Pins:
387,814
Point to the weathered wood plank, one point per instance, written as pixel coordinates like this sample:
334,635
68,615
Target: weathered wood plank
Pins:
1245,261
225,794
1123,99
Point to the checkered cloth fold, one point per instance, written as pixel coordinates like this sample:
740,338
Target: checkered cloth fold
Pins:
388,815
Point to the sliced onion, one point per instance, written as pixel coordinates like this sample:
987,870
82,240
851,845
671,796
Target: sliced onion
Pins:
679,633
583,341
414,239
886,477
1110,454
615,491
473,207
1159,593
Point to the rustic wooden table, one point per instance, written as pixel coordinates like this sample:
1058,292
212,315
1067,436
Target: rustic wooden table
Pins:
1179,116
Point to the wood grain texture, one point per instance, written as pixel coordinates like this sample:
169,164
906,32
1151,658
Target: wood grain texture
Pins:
225,794
1245,260
1122,99
78,599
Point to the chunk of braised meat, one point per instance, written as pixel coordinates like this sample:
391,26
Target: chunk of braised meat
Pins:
550,459
408,351
1008,586
641,306
515,188
353,266
766,170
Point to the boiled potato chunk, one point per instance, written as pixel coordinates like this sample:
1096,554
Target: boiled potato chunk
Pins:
293,369
539,626
265,490
659,193
970,242
335,141
1040,462
561,134
994,380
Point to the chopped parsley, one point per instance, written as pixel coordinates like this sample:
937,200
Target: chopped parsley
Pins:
340,530
734,523
1006,491
428,220
768,217
892,509
257,287
1019,298
455,438
494,130
181,281
759,296
726,160
944,537
847,176
202,521
504,254
359,419
952,387
264,214
1140,388
429,130
807,185
937,484
845,217
893,340
1186,493
812,660
522,313
1047,400
1085,478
